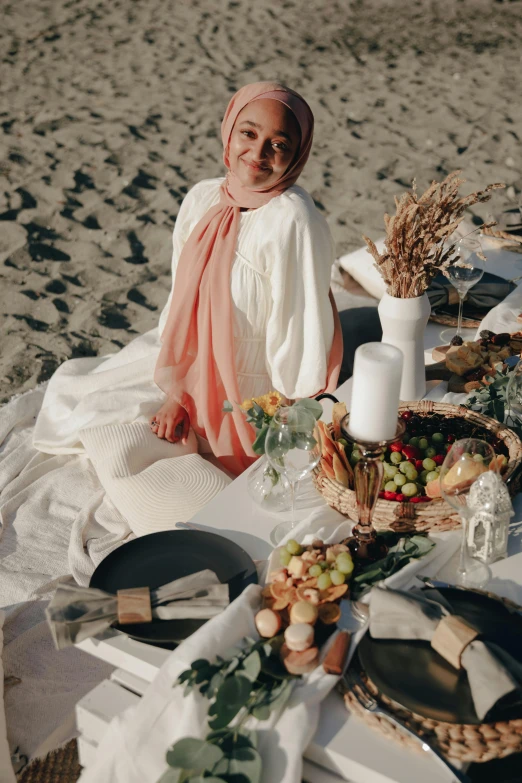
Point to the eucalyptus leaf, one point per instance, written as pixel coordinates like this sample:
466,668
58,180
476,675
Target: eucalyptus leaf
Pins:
230,698
243,762
196,754
314,407
252,666
261,712
227,407
201,663
280,695
259,443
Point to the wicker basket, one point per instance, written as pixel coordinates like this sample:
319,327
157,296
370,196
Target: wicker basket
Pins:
421,517
461,742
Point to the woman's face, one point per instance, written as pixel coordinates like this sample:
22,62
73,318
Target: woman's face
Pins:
263,144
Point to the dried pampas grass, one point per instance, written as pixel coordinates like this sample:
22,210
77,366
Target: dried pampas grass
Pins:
416,236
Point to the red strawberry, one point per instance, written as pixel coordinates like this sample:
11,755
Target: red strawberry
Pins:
400,498
390,495
406,415
416,499
411,452
418,465
397,446
381,494
450,438
438,459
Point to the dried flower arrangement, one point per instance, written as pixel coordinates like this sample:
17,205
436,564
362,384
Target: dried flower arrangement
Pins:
416,236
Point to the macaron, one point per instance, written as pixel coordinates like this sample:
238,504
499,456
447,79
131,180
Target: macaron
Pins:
299,637
303,612
268,623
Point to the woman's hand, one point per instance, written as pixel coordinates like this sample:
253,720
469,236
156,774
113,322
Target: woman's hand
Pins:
171,422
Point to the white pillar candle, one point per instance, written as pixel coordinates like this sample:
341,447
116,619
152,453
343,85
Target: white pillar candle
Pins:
376,383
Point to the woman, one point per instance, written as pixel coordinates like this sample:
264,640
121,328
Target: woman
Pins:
250,308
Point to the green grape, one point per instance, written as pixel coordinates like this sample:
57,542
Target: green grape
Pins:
284,557
430,452
399,480
391,486
343,442
315,570
293,547
478,458
414,441
428,464
324,565
324,581
411,473
355,456
437,437
423,443
396,457
337,577
403,467
423,476
405,439
344,563
432,475
390,470
409,490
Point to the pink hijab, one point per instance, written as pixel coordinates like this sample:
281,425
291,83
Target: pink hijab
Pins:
196,365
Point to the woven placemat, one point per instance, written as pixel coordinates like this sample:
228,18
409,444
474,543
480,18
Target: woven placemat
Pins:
59,766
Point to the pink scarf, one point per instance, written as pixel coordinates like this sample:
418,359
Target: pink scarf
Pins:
196,365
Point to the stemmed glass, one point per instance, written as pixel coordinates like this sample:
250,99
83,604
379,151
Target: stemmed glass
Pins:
465,462
293,448
464,274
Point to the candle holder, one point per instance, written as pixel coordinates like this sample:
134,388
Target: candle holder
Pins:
368,474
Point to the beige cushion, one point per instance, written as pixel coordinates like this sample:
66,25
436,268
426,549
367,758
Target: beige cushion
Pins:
360,265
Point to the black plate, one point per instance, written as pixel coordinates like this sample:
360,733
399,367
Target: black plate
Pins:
418,678
153,560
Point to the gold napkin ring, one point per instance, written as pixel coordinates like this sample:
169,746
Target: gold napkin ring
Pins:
452,636
134,605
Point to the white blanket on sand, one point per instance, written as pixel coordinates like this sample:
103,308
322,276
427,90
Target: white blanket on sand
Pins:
86,477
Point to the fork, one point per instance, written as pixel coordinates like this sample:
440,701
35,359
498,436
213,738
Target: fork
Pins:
355,685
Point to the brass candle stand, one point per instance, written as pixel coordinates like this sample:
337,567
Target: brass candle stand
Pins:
368,475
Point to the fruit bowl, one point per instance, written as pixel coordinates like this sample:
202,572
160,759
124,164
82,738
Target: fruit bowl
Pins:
431,514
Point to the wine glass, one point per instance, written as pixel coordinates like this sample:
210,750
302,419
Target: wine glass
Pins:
465,462
293,448
464,274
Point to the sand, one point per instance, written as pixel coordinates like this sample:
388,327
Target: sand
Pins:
110,111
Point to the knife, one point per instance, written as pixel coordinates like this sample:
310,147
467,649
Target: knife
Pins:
349,622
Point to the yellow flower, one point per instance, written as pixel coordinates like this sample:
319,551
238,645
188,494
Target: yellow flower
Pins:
269,402
247,404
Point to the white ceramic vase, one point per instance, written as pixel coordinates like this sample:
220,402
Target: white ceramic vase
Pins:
403,324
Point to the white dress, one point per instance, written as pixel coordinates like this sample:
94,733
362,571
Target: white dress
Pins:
283,321
90,464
